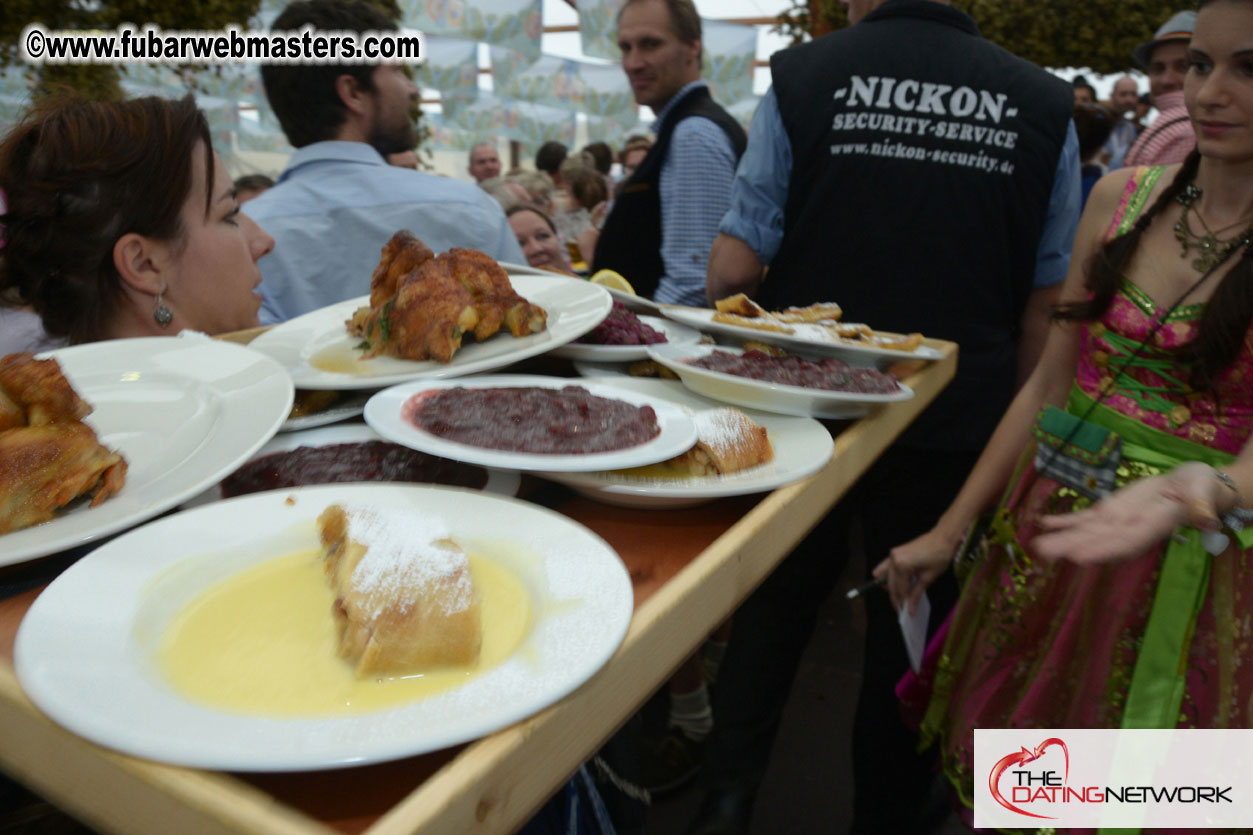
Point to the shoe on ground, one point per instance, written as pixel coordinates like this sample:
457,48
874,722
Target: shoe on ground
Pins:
723,812
670,760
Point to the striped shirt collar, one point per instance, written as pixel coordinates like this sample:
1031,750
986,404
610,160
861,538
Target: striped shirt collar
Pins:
1169,101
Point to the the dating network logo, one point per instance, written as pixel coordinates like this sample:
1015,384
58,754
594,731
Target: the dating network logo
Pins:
1117,778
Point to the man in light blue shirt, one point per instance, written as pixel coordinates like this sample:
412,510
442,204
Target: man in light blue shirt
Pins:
338,201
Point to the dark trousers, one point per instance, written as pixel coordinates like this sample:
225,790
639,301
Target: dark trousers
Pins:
899,498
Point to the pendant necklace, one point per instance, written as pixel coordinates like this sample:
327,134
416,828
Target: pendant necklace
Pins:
1210,249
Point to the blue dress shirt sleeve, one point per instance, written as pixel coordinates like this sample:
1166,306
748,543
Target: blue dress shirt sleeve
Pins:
759,193
508,250
1053,254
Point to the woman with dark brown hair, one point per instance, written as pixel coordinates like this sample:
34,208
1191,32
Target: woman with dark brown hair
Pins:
120,220
1109,586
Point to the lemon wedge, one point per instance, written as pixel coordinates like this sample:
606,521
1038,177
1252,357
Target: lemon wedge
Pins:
612,280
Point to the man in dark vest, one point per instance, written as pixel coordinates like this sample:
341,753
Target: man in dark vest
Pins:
666,217
926,180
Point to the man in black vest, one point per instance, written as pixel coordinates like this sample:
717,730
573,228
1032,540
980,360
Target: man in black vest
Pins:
666,216
926,180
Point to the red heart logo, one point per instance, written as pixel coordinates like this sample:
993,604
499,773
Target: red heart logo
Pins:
1023,757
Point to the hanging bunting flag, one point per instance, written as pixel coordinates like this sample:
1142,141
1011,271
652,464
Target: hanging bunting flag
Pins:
614,132
730,52
577,86
443,135
516,24
450,66
530,124
598,28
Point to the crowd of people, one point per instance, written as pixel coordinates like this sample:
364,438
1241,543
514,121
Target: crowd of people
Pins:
1094,267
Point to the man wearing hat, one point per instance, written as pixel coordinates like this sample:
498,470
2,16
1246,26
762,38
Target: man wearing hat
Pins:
1170,138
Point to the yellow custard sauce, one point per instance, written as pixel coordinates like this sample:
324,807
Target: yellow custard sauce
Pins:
341,358
661,470
264,642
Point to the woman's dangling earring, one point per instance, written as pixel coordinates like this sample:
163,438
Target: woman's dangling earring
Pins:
163,315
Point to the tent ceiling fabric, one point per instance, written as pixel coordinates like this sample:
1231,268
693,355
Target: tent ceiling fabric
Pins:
524,122
534,95
516,24
577,86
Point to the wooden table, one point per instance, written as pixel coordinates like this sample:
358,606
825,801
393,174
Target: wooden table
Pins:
712,557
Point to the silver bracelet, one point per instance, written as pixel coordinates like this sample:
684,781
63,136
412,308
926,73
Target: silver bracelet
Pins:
1237,517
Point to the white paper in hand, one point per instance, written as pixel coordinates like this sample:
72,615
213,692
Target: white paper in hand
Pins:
914,630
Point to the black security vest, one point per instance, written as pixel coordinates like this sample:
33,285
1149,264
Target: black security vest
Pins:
924,159
630,242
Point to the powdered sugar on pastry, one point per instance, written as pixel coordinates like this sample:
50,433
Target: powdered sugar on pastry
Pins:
727,441
719,428
404,597
845,331
761,323
406,550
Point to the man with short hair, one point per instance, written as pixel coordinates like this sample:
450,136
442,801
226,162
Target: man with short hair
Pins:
484,162
666,217
1165,58
1122,101
927,180
338,201
1085,93
549,158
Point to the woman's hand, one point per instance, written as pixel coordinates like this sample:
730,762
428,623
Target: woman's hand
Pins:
911,567
1129,521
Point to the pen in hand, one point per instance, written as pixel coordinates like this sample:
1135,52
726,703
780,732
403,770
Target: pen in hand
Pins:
863,588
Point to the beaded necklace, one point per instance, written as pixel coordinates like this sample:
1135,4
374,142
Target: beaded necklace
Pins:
1210,249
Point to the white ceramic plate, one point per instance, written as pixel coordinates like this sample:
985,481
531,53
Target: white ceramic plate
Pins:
614,371
639,304
184,412
678,433
574,307
676,334
851,353
770,397
500,482
85,651
802,447
522,269
348,406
